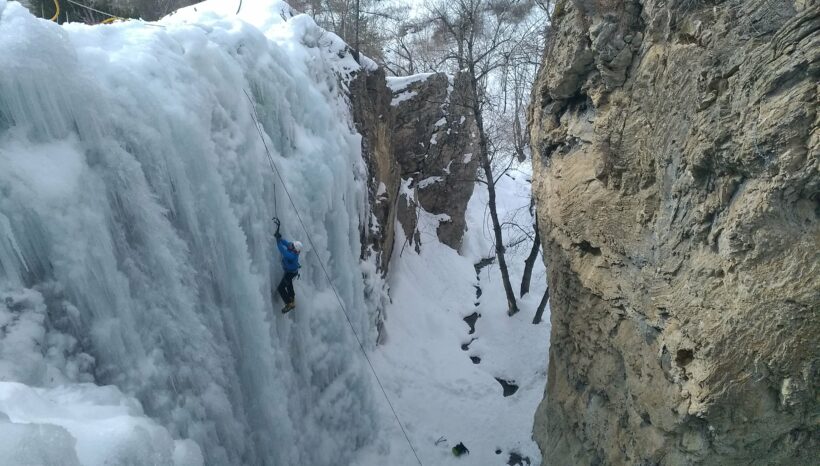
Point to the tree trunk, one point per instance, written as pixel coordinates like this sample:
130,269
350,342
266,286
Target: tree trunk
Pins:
512,306
541,306
529,262
356,48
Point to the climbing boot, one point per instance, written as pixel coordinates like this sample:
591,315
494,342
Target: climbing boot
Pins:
288,307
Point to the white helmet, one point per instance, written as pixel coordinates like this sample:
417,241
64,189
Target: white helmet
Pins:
297,246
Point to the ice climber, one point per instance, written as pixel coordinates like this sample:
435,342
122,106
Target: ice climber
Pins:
290,264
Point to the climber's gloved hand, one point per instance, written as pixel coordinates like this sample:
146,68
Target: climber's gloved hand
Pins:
278,224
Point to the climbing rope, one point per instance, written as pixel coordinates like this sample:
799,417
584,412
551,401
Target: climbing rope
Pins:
56,11
327,276
275,208
270,158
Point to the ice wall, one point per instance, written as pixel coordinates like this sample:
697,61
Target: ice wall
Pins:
136,241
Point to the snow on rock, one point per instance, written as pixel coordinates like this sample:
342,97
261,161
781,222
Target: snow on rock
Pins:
406,191
429,180
401,97
399,87
136,248
382,190
400,83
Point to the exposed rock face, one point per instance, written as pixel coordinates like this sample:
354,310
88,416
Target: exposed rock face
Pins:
418,142
436,149
370,104
678,193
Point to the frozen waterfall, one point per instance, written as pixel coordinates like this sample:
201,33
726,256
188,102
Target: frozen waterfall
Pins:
136,244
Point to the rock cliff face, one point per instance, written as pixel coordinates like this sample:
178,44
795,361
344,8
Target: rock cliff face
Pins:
370,105
418,140
436,149
676,172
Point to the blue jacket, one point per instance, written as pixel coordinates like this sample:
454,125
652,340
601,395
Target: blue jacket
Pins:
290,259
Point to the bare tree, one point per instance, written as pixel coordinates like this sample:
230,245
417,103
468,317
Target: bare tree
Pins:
411,48
482,38
541,306
546,6
529,262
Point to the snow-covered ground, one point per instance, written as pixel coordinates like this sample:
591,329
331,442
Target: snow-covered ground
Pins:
442,396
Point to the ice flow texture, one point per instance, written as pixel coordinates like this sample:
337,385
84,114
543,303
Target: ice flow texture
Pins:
136,199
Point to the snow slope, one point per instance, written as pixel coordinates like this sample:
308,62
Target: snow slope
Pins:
136,246
444,397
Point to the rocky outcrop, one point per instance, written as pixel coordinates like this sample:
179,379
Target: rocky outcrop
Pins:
418,141
370,106
436,149
676,168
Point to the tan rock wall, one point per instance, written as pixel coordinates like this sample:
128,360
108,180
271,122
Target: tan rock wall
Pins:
370,104
676,173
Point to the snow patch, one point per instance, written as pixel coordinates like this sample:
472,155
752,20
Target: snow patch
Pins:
400,83
407,191
374,224
430,181
406,95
